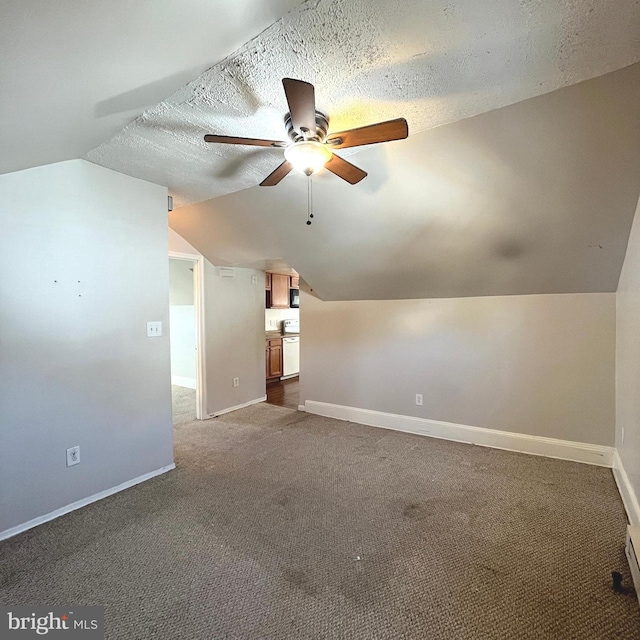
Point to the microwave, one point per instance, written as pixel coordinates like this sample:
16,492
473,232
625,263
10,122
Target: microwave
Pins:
294,298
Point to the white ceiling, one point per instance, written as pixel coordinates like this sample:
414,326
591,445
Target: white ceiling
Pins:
432,62
515,178
74,73
536,197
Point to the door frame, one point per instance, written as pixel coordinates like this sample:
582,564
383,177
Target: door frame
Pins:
198,301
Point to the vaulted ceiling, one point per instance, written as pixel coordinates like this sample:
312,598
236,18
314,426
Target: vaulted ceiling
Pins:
536,197
431,62
72,74
520,175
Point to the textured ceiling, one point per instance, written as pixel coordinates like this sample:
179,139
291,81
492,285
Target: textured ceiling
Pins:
518,177
431,62
536,197
73,73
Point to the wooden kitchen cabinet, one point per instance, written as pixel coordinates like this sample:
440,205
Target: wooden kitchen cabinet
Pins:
279,294
295,282
273,357
267,281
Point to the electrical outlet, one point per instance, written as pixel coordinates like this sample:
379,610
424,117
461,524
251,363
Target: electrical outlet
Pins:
73,456
419,399
254,279
236,382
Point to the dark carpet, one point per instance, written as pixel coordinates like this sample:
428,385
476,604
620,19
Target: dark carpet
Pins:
278,524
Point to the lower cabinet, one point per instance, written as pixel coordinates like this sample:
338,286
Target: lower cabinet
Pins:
273,357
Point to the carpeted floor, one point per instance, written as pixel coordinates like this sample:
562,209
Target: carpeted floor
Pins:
183,404
277,524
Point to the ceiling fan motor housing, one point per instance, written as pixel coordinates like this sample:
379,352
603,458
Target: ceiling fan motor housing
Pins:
322,128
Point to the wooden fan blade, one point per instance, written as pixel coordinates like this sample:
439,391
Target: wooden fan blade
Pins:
275,176
254,142
301,97
382,132
345,170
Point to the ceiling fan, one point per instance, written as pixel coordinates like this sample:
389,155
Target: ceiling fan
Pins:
311,146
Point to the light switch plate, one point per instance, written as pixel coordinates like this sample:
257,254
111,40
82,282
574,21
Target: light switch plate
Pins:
154,329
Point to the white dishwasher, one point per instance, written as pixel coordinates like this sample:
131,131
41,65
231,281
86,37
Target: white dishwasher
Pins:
290,356
290,348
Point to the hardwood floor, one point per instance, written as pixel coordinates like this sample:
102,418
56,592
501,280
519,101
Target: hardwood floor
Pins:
284,393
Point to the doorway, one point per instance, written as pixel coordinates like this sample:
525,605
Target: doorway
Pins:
282,328
186,337
284,393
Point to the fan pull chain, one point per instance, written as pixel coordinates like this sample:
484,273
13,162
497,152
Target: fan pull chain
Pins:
309,200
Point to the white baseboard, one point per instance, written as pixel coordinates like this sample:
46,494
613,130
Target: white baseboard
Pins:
301,407
629,498
8,533
238,406
180,381
535,445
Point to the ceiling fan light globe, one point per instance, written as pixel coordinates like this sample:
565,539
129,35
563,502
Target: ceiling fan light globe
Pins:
308,156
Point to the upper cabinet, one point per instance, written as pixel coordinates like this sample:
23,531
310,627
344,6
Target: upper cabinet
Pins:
277,288
278,294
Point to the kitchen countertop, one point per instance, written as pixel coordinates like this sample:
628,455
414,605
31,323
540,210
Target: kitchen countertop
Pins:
273,335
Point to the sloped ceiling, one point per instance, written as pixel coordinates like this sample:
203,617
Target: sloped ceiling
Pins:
520,174
72,74
431,62
536,197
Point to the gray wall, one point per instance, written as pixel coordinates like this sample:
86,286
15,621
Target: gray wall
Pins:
83,267
540,365
234,332
234,318
182,318
180,282
628,360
